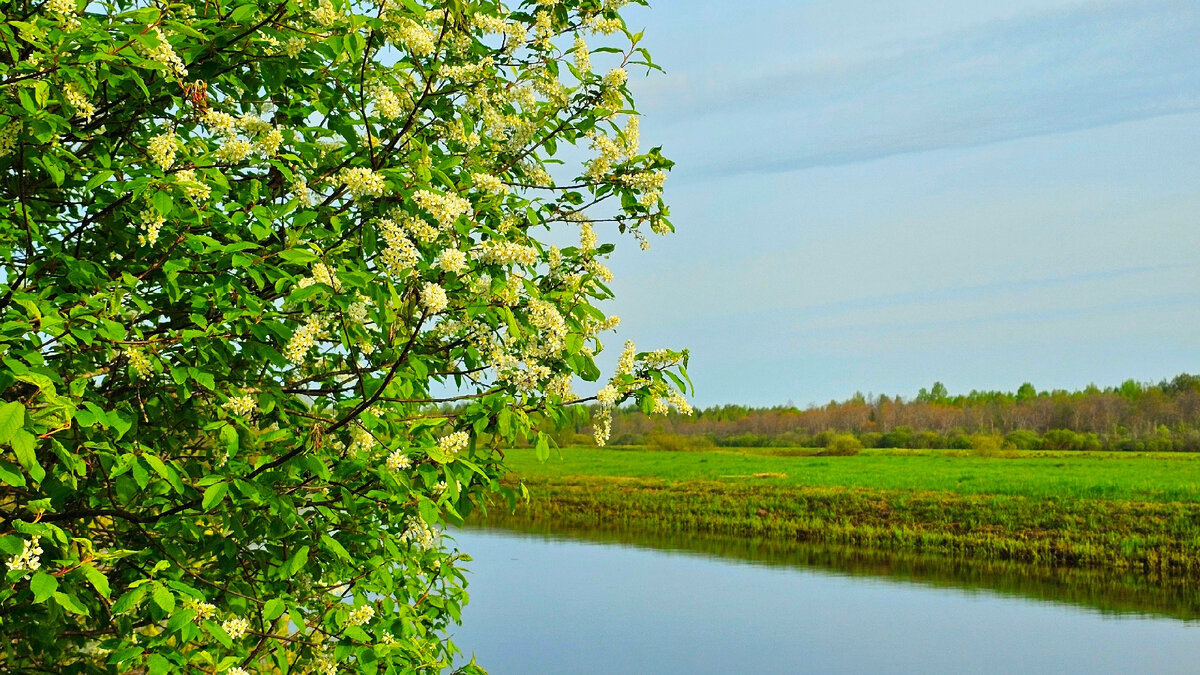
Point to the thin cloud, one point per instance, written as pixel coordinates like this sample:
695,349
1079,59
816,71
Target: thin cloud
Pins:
1046,74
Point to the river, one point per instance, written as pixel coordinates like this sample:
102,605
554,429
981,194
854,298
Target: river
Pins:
543,604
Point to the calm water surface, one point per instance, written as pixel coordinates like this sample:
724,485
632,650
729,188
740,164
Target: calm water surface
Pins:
546,605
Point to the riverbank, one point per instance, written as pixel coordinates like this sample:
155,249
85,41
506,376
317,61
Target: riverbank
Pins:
1121,513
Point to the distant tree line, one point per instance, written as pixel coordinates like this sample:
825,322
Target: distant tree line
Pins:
1134,416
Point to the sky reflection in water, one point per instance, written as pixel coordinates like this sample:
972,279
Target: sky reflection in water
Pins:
542,605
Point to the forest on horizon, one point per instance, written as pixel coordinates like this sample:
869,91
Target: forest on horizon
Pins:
1133,416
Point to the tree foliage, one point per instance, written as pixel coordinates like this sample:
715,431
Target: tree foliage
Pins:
1161,416
246,249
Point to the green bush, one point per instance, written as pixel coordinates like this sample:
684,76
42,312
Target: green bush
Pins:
842,445
246,249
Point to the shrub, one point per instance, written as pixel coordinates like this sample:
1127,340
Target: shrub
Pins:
842,445
242,245
670,442
1024,440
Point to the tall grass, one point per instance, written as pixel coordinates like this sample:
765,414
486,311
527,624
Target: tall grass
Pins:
1115,512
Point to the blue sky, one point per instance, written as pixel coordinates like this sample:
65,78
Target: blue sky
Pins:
873,196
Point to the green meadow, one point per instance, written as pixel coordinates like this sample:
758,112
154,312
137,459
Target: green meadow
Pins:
1156,477
1118,511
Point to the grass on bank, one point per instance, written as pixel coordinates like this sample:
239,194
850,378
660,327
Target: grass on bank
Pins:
1157,477
1116,511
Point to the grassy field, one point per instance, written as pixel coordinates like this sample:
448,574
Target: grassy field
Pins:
1138,513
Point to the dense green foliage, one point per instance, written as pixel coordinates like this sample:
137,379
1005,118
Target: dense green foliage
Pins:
1118,512
1130,417
245,251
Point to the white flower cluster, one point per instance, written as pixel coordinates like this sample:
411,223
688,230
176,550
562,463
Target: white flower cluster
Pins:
192,187
64,11
165,54
583,57
299,190
28,560
489,183
419,533
360,615
151,222
551,328
324,274
237,671
139,362
236,627
452,260
626,362
649,183
419,229
603,25
560,386
388,104
433,298
523,375
77,100
443,207
303,340
661,358
361,440
467,72
359,310
8,137
608,152
219,123
362,182
267,139
162,149
234,150
454,443
241,406
535,173
409,35
610,87
587,237
505,252
399,254
202,610
398,461
325,14
676,399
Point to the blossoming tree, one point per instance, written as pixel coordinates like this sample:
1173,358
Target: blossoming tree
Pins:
276,290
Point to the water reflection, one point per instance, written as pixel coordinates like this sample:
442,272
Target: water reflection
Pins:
1107,592
608,602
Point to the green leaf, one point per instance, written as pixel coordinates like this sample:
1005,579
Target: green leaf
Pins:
243,12
213,495
130,599
43,586
335,547
273,609
24,444
543,447
297,562
298,256
167,473
163,202
97,579
219,633
12,417
163,597
10,475
158,664
69,603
